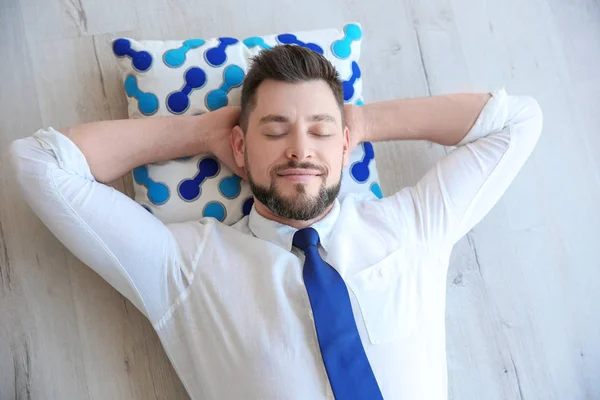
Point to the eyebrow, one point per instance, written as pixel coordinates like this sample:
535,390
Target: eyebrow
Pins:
283,119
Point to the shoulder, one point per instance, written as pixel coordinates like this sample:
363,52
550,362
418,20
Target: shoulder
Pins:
367,202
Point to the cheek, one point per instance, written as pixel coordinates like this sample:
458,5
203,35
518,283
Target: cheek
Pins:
335,160
334,175
261,158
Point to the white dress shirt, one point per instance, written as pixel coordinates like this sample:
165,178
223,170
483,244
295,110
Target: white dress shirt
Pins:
229,302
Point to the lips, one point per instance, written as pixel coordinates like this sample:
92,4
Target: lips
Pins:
295,172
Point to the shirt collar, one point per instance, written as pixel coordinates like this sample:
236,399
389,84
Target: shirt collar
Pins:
282,235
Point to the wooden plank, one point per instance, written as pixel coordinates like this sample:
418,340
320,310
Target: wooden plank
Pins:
69,83
109,16
555,179
63,19
38,335
49,20
165,20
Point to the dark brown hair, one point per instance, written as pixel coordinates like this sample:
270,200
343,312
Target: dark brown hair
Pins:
288,63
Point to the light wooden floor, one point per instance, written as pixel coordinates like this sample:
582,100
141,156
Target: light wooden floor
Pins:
523,315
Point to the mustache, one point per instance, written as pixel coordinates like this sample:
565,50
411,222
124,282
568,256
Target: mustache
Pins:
299,165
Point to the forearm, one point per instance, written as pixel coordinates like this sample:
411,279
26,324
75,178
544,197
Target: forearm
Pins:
113,148
442,119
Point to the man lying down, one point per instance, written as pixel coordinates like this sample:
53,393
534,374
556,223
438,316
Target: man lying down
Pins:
310,296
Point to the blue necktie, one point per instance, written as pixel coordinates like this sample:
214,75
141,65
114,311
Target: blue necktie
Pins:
348,368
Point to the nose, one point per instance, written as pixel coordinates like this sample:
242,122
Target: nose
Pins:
299,147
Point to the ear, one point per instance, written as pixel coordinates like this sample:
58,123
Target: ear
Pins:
346,156
237,138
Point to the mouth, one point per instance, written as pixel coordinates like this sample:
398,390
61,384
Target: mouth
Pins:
299,175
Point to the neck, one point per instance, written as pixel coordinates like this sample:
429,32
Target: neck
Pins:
265,212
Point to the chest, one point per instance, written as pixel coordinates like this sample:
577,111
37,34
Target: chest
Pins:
260,288
248,310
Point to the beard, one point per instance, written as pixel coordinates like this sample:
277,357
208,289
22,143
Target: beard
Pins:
301,206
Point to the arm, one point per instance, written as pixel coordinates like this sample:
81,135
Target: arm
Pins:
441,119
59,178
457,192
113,148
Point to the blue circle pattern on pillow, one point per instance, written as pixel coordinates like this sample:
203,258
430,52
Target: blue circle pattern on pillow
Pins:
247,207
256,41
140,60
190,189
341,48
289,38
348,85
176,57
231,186
215,209
147,102
158,192
217,55
233,75
360,170
178,101
376,190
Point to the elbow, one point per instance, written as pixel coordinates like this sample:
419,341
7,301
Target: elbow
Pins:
17,167
532,115
27,165
527,121
536,112
17,157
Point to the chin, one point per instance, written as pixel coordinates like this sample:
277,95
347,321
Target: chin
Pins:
315,182
295,189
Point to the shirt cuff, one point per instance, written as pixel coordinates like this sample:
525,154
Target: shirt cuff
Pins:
68,156
491,119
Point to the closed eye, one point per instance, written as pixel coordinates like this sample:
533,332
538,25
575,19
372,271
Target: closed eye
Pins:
275,135
321,134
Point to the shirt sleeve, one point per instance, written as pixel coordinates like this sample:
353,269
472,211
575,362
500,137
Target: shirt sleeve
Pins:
127,246
461,188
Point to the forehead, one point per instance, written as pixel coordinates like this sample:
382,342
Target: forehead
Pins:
292,99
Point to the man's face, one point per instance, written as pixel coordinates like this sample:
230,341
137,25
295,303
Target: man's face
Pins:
294,149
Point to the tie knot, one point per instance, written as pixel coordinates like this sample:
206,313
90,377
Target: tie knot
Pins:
305,238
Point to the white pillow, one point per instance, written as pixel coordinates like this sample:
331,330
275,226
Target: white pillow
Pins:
194,76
